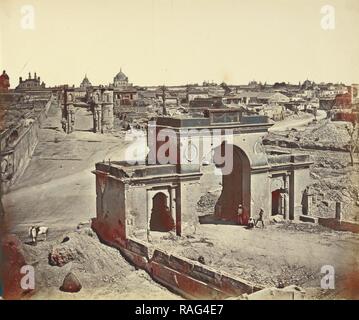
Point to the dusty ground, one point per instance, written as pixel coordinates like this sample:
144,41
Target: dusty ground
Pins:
288,253
291,253
58,190
101,270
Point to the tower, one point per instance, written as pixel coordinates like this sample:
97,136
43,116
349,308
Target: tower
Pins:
68,111
107,110
102,104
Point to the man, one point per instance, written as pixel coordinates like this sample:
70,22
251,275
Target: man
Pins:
239,214
261,212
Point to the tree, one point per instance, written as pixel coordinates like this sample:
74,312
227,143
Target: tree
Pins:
353,131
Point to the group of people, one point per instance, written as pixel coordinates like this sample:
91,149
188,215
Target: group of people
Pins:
251,222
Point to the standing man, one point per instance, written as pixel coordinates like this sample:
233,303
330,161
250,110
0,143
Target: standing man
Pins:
239,214
260,219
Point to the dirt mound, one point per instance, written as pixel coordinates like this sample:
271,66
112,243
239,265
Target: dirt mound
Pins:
70,249
101,270
329,191
325,135
334,180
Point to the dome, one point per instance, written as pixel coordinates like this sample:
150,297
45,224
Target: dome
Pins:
121,76
85,83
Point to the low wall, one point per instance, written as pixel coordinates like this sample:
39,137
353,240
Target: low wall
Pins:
337,225
15,159
186,277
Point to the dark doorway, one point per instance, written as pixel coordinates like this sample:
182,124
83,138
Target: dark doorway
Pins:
235,190
276,202
161,219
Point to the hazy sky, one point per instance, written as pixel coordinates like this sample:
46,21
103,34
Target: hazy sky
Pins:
180,41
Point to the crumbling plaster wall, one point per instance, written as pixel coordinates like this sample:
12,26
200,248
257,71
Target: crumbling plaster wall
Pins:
189,196
136,210
111,204
260,194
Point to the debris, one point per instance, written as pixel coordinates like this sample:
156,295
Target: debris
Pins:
201,260
277,218
71,284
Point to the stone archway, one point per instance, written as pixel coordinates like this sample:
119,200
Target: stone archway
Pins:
84,119
161,219
235,189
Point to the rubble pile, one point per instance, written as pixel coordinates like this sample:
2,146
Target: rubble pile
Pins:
334,180
329,191
325,135
207,202
79,262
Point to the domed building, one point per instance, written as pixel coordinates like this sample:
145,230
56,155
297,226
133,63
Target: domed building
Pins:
85,83
124,92
120,80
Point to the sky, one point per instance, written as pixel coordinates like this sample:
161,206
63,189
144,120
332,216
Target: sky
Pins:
173,42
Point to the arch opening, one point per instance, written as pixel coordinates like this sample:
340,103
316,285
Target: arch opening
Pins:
234,202
161,219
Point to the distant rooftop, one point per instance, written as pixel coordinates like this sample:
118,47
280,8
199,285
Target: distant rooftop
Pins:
214,117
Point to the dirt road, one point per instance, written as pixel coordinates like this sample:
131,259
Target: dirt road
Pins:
58,188
301,122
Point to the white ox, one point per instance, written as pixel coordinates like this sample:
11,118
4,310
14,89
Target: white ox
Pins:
35,231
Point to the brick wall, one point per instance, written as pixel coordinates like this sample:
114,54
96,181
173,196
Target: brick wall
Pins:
188,278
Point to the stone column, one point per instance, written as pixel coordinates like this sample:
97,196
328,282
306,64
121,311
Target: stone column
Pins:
338,211
149,209
286,206
282,204
173,203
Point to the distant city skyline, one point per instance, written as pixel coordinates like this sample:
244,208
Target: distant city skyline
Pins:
175,42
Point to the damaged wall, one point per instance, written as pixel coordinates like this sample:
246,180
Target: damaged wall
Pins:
188,278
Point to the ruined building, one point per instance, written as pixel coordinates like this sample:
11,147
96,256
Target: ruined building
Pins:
30,83
157,195
99,100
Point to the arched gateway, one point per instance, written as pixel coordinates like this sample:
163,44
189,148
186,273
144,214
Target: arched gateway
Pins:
236,191
248,174
87,109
